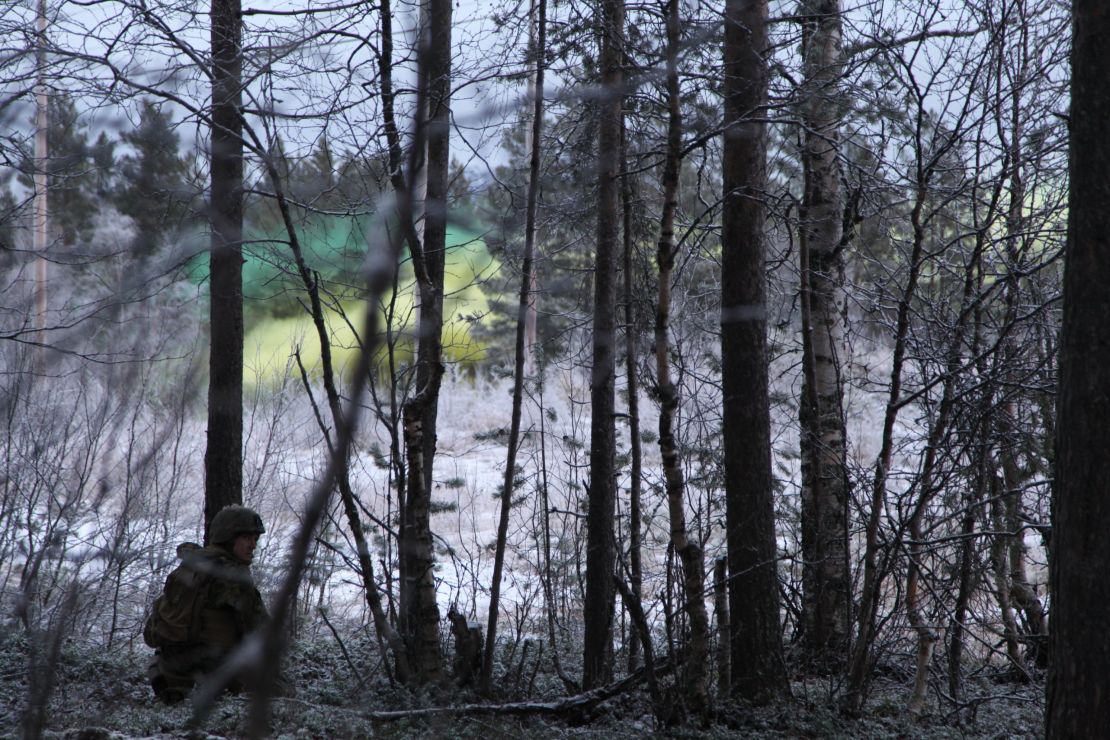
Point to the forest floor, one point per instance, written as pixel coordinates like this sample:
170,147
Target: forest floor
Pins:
101,695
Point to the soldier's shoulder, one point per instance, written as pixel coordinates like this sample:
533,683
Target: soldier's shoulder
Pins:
187,550
202,562
219,563
213,552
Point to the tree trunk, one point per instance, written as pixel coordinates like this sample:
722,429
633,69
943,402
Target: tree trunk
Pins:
396,161
223,457
521,349
550,604
972,501
826,584
1078,703
41,218
438,66
419,617
758,673
643,635
1021,592
957,628
720,606
1014,590
597,664
1000,564
635,473
696,663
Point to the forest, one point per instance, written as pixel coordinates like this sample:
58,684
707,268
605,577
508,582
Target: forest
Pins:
598,368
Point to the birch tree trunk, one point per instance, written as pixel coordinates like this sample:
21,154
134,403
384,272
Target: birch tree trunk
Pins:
1021,593
405,207
720,607
826,584
430,329
419,615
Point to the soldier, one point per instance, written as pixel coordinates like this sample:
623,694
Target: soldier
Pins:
209,604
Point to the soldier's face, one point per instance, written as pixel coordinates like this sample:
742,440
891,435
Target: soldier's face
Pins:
243,546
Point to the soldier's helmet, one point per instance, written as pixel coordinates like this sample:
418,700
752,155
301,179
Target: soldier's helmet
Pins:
232,521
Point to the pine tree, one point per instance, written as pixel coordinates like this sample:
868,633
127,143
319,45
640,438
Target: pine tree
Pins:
601,556
70,180
758,674
1078,705
152,191
223,458
104,167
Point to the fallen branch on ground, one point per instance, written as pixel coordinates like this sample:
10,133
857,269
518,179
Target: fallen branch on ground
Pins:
567,705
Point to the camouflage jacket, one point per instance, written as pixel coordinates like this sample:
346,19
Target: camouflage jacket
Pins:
210,599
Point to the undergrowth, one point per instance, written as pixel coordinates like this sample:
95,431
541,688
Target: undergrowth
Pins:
101,694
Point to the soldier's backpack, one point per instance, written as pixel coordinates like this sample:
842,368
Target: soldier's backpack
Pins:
175,616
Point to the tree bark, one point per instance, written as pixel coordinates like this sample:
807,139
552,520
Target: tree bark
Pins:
41,219
597,663
643,635
1022,595
396,162
826,583
521,349
1078,704
419,617
223,457
438,66
1000,564
758,673
635,473
976,493
419,614
720,606
696,663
